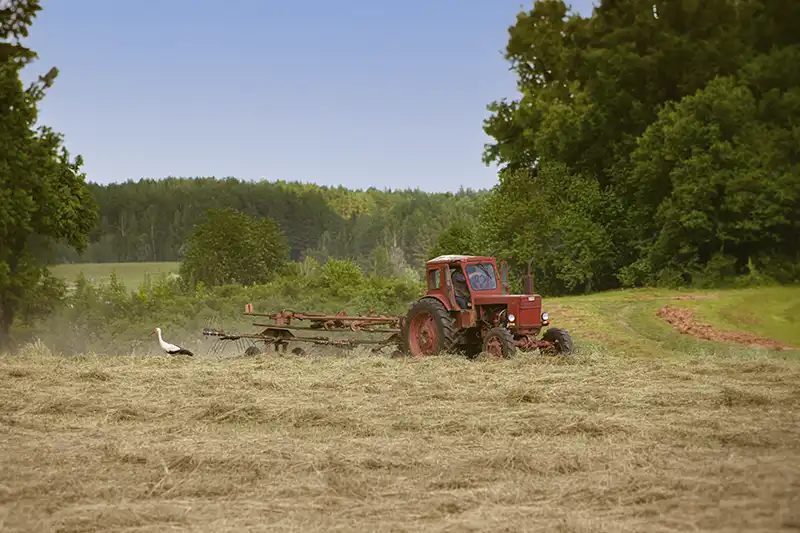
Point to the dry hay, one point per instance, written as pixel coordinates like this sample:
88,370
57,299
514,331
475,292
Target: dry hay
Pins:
682,319
368,443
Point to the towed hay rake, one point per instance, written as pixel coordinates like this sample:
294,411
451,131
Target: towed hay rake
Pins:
466,307
282,330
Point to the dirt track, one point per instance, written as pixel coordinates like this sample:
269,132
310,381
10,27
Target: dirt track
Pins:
683,320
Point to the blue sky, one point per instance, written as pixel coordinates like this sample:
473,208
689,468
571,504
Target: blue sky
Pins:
354,93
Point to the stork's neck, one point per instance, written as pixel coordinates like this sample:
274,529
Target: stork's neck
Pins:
161,340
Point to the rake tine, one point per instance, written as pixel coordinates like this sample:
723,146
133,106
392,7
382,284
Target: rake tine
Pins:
219,348
215,348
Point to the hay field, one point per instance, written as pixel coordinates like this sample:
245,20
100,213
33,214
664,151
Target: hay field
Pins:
644,429
279,443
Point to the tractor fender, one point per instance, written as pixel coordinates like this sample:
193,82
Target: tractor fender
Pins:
441,299
463,319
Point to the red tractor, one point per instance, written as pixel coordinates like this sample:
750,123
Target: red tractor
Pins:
467,306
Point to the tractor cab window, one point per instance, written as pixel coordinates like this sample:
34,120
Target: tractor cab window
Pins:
434,279
482,277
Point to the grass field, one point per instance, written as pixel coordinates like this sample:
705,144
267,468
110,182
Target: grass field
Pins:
645,429
131,274
771,312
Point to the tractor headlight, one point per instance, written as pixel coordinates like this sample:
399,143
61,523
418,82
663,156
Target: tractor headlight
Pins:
545,317
511,318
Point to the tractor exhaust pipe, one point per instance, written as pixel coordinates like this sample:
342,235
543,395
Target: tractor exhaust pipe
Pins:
527,282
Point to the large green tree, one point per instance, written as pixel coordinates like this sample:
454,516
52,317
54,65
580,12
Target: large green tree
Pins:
43,196
654,142
460,238
233,247
715,180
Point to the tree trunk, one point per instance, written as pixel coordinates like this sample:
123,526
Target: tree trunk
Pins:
7,304
6,319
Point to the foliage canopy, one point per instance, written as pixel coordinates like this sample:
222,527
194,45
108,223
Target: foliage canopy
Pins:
43,196
654,142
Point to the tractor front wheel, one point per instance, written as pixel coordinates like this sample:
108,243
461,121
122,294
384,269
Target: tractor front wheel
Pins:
499,342
428,329
562,342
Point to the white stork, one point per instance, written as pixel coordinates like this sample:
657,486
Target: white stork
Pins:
171,349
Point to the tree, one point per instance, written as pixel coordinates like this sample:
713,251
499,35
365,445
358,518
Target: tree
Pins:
457,239
234,247
652,141
715,178
44,198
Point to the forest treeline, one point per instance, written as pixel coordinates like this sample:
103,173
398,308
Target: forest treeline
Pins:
149,220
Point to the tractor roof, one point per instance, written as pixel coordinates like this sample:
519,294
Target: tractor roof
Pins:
460,259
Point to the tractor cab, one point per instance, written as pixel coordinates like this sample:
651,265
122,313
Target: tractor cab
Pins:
455,279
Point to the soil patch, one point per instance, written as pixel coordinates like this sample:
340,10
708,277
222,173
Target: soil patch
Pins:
682,319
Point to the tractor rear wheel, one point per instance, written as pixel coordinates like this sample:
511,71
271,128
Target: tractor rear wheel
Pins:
428,329
562,342
499,342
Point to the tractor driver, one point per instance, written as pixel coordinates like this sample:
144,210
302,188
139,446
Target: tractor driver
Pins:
460,287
